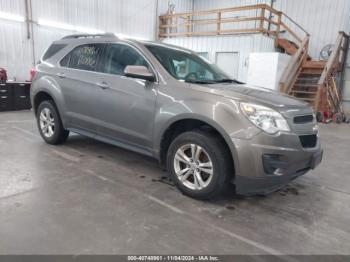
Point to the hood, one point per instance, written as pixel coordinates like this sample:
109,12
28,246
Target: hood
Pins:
287,105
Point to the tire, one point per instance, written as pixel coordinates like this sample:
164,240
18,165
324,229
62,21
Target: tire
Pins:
212,149
47,115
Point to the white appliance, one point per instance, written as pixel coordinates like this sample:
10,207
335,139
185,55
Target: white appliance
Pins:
265,69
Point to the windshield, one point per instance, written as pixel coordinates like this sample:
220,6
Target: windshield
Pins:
187,66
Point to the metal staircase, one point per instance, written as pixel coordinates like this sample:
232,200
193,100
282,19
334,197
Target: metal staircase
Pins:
306,83
310,80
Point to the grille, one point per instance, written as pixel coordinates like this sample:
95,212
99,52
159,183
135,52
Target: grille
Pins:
303,119
308,140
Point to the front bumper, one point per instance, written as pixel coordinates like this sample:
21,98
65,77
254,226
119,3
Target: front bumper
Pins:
265,162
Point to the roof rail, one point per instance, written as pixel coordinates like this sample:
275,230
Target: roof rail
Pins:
76,36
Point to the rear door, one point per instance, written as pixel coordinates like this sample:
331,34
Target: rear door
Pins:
78,78
126,105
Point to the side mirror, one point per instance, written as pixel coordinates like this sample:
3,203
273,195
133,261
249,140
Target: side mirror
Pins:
140,72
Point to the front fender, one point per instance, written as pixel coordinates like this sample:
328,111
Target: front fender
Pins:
221,113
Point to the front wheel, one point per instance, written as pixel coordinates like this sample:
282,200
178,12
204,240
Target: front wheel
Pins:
200,164
50,124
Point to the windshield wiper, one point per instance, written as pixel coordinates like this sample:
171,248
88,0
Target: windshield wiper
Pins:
228,80
200,82
207,82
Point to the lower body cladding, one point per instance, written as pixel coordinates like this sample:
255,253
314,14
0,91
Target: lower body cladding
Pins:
266,163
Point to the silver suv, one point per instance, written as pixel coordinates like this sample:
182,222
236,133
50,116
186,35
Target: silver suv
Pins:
169,103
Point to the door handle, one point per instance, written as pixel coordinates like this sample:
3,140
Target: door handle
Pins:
61,75
103,85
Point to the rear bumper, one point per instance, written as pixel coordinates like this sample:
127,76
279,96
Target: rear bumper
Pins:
266,163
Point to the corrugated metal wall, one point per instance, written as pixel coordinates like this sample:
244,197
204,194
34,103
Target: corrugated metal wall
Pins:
15,49
181,6
207,4
323,19
135,18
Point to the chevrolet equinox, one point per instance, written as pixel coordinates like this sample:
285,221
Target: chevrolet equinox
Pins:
206,129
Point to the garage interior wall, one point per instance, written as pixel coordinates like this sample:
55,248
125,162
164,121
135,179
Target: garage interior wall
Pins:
136,18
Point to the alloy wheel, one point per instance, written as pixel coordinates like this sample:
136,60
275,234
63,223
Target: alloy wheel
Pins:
193,166
47,123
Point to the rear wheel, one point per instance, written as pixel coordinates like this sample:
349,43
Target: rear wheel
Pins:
50,124
199,164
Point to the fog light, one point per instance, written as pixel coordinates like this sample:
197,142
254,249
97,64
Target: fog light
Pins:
274,164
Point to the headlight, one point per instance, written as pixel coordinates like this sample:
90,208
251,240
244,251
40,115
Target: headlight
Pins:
265,118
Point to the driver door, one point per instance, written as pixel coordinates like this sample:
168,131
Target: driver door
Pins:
126,105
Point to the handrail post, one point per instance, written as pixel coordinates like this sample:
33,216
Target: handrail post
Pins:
316,104
306,47
331,61
188,25
262,19
282,87
218,26
278,30
160,29
177,24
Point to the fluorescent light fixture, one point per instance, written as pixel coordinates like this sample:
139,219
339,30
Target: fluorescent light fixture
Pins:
89,30
11,17
69,27
122,36
57,25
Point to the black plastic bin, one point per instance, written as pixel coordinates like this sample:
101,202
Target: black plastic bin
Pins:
14,96
6,97
22,96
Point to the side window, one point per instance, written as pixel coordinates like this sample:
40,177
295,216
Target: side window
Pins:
52,50
65,61
84,57
119,56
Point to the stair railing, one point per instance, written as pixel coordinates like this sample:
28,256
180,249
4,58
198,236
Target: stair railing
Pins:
294,66
260,18
334,64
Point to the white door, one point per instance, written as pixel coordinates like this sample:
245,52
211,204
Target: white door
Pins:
228,62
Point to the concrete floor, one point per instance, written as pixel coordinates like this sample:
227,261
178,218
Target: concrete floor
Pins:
86,197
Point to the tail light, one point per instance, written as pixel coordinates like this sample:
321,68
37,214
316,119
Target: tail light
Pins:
32,74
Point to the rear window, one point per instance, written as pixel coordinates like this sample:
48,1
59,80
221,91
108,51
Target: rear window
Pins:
84,57
53,49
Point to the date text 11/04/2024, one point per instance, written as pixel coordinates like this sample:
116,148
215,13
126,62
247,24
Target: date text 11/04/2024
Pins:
173,258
